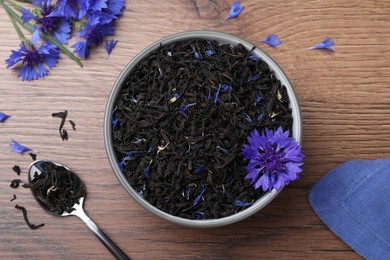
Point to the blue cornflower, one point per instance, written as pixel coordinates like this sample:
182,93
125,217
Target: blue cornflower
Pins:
18,148
109,45
92,35
58,27
146,172
274,159
235,10
248,118
325,44
3,117
209,52
66,8
34,60
271,40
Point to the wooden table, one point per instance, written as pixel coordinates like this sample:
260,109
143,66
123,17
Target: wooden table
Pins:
345,102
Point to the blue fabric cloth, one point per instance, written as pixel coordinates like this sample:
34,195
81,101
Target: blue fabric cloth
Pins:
354,201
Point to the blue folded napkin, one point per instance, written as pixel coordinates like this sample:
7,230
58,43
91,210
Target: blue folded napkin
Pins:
354,201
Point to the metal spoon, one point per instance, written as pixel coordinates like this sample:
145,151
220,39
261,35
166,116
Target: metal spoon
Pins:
36,169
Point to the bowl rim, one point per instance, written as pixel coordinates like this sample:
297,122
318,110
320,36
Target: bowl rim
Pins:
223,38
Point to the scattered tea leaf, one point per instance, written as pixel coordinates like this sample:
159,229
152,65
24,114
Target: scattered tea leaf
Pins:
16,169
32,226
15,183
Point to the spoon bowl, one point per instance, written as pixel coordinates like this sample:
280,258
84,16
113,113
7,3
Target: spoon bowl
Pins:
61,193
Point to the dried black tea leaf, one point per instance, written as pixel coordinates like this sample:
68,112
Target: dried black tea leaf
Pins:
26,185
57,188
33,156
13,198
180,122
62,115
16,169
73,124
32,226
15,183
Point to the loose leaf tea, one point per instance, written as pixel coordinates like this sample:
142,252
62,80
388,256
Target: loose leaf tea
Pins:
16,169
73,124
13,198
33,156
15,183
57,188
32,226
63,132
180,121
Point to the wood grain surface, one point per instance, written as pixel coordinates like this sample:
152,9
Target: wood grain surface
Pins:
344,98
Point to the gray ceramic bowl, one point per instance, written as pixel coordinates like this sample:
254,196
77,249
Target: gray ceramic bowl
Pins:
223,38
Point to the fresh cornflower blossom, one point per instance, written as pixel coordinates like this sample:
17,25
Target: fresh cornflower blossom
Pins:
35,62
274,159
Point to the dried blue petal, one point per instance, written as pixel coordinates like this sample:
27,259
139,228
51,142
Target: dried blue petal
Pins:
199,169
223,88
133,100
209,53
271,40
183,109
240,203
325,44
254,57
197,199
223,150
248,118
146,172
209,95
253,78
175,97
197,55
235,10
114,121
261,116
199,215
109,45
127,158
18,148
3,117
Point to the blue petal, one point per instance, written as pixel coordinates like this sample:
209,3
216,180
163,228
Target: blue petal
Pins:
50,54
235,10
3,117
27,15
116,6
272,40
240,203
18,148
109,45
146,172
14,58
35,38
62,34
81,49
197,199
325,44
65,8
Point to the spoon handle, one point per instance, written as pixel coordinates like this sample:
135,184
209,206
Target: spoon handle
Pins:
111,246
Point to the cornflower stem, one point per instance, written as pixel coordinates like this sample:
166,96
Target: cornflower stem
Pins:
15,5
49,38
18,31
